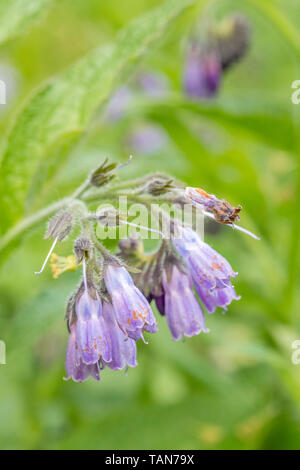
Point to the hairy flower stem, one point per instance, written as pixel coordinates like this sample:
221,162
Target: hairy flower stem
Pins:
33,220
101,248
82,189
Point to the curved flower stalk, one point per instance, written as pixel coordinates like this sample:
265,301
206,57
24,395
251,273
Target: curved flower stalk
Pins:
89,341
110,311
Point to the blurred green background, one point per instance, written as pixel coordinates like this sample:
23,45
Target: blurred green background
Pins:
235,388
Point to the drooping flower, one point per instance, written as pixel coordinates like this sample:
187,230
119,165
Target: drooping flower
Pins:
123,349
183,312
208,268
133,312
91,331
89,340
165,279
75,367
210,271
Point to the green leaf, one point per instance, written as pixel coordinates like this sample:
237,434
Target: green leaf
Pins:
63,108
272,126
38,315
16,15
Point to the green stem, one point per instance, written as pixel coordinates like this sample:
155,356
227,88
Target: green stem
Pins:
107,256
33,220
82,189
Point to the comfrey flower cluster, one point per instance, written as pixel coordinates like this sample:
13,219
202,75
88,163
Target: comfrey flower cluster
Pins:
183,268
103,331
209,57
110,310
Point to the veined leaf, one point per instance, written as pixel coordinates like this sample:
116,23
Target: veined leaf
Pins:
16,15
65,105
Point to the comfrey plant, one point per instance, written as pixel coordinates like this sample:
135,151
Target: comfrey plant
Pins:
110,309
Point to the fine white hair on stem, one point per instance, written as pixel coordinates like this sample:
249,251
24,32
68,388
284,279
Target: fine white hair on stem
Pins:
84,274
47,257
143,227
125,164
234,226
244,230
142,336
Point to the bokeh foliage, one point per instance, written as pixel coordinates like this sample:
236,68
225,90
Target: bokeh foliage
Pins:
234,388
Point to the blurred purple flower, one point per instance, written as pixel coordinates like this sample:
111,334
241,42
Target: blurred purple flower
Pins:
146,139
119,103
202,74
154,85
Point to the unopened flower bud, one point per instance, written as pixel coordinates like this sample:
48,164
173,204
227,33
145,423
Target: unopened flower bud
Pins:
233,38
103,174
82,248
110,217
131,246
60,225
158,186
202,73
